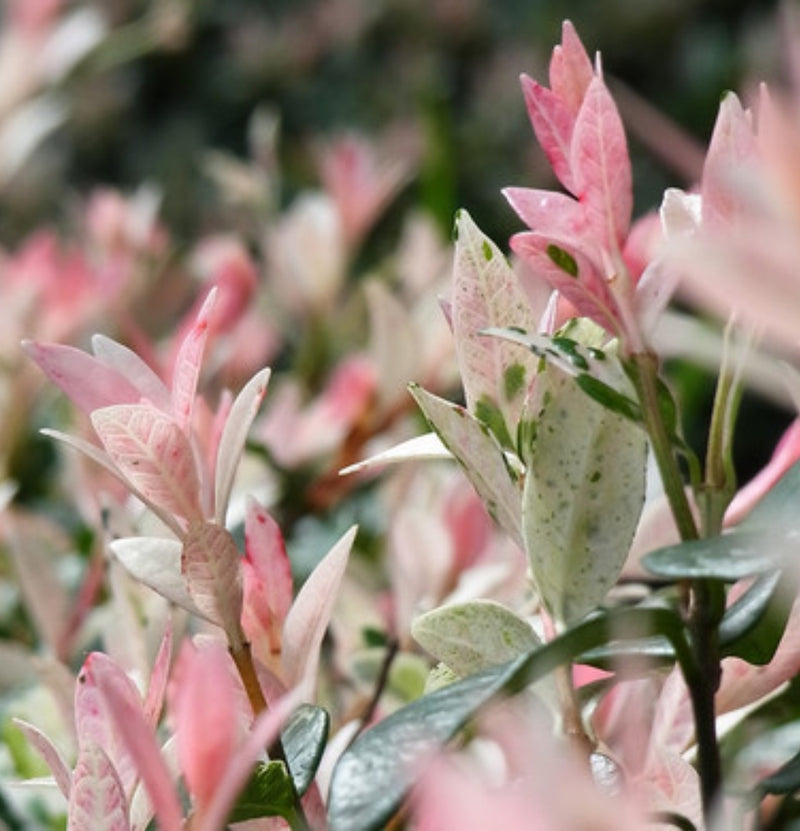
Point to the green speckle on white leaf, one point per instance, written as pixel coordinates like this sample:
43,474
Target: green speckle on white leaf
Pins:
487,251
513,380
563,259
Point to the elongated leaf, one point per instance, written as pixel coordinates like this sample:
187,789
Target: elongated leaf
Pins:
157,685
234,436
784,781
583,495
304,739
425,447
50,753
153,454
570,68
482,458
187,365
374,774
486,293
97,799
472,636
211,564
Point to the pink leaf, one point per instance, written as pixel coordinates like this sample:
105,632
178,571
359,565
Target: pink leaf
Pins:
50,753
88,382
309,616
158,678
131,367
130,723
204,708
553,124
211,564
485,294
548,212
231,444
267,581
570,68
601,166
187,365
97,799
153,454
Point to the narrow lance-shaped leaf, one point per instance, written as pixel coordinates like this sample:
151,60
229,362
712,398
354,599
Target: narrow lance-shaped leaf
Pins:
483,460
97,799
62,775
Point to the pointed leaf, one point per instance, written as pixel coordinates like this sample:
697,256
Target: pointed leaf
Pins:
426,447
50,753
131,367
601,166
483,460
304,739
570,68
582,498
310,614
268,793
472,636
156,562
231,445
153,454
211,565
159,675
486,293
187,365
88,382
97,799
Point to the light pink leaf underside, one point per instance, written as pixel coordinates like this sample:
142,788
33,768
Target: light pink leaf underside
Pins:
570,68
97,799
153,453
602,169
211,565
140,741
548,212
91,718
587,292
310,614
480,455
234,436
87,382
486,293
187,365
268,586
50,753
156,688
553,123
131,367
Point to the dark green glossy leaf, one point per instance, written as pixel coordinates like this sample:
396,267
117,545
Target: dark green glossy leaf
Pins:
610,398
753,626
268,793
785,780
304,739
374,774
648,651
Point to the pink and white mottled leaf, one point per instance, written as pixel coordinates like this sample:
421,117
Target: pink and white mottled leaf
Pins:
156,562
50,753
485,294
187,365
211,565
553,122
153,454
483,460
310,614
204,709
97,799
264,731
570,68
267,573
156,688
92,723
88,382
231,444
426,447
601,166
141,744
130,366
102,459
548,212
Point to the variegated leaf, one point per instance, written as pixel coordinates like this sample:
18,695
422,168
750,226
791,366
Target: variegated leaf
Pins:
211,564
486,293
428,446
483,460
49,752
151,452
97,799
131,367
583,495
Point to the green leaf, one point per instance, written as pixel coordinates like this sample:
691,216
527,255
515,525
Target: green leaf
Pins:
373,776
784,781
268,793
753,626
304,739
478,452
472,636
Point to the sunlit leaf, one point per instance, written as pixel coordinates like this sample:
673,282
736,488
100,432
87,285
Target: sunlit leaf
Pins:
304,739
97,799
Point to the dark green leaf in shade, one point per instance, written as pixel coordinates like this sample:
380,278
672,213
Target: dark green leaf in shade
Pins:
784,781
609,397
268,793
304,739
563,259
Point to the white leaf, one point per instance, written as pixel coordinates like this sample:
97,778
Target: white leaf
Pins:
49,752
125,361
428,446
